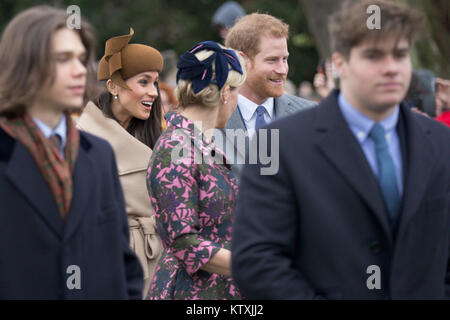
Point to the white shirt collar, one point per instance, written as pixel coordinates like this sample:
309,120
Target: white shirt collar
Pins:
60,129
361,124
248,107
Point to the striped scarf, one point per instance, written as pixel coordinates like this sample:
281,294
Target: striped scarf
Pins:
57,172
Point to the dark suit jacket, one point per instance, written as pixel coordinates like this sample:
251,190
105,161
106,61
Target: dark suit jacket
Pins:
283,106
37,246
313,229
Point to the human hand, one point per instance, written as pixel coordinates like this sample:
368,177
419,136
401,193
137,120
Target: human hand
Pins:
324,80
320,85
419,112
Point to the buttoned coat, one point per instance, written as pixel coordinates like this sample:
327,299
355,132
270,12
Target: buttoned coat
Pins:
87,256
132,160
319,227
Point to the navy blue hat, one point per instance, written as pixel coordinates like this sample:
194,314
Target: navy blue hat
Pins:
201,72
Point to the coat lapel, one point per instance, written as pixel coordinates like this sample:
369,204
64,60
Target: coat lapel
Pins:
283,107
419,162
342,149
82,184
24,174
239,151
235,121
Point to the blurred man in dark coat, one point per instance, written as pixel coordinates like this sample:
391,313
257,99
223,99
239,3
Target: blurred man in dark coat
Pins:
63,225
359,208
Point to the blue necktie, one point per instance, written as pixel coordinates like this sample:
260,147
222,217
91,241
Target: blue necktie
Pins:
260,117
386,171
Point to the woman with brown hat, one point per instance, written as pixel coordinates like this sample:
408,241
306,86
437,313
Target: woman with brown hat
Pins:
128,116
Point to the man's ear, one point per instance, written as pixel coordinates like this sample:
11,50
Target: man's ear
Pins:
339,62
225,96
112,88
247,59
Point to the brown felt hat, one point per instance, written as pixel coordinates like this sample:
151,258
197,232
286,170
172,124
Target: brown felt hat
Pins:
122,60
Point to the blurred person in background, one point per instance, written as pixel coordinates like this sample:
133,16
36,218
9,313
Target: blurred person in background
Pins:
169,74
324,79
290,87
306,91
168,101
63,227
421,93
442,93
226,16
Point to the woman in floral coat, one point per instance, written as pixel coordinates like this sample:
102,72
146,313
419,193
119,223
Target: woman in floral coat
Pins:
191,186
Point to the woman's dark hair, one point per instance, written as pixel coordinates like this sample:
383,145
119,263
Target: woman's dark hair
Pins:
146,131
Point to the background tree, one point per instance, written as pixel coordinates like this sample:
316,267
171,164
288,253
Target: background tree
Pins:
431,50
433,47
178,24
317,13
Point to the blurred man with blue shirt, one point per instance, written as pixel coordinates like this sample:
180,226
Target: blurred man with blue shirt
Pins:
359,208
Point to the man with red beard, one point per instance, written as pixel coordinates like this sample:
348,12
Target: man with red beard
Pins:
262,40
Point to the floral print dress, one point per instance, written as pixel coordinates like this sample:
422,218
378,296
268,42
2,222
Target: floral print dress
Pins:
193,193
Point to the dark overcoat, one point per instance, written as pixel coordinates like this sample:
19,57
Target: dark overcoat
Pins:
44,257
319,227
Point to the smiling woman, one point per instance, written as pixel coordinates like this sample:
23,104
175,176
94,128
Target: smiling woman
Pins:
137,102
128,115
131,98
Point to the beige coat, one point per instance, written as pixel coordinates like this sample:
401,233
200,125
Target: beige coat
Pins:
132,158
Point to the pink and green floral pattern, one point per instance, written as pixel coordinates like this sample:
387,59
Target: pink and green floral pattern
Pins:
193,202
